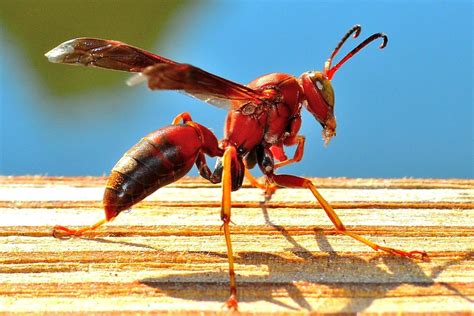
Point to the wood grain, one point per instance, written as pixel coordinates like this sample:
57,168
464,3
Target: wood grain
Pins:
168,254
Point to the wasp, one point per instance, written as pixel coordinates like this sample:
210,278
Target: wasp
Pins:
264,117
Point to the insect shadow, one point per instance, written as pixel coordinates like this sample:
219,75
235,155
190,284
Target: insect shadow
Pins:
380,275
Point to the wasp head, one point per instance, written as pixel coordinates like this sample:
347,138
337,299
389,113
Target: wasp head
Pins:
317,85
320,101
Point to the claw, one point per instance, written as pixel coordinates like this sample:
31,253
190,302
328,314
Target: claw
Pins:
62,232
232,303
270,188
222,226
415,254
420,255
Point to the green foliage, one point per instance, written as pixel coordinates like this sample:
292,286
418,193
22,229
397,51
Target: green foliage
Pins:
36,26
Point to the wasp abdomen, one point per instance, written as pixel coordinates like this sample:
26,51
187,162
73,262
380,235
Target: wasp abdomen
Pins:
160,158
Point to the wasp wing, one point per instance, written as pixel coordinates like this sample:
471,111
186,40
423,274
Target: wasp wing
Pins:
199,84
161,73
101,53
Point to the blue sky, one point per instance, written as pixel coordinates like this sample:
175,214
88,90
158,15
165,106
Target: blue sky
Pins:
405,111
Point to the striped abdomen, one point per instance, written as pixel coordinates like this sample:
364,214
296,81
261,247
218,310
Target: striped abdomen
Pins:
160,158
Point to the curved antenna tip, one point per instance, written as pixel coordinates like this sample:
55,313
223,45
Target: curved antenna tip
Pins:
330,72
354,31
385,40
357,29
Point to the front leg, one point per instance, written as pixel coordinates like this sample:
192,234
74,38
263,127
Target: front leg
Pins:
296,140
291,139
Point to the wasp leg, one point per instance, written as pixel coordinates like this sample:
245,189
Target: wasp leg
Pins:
226,178
63,232
229,156
184,117
193,146
253,181
250,160
210,143
265,161
278,150
298,182
299,142
268,187
292,139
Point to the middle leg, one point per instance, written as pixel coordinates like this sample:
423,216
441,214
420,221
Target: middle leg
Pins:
229,156
265,160
299,182
279,152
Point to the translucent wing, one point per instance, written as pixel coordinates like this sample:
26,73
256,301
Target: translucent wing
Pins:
101,53
199,84
161,73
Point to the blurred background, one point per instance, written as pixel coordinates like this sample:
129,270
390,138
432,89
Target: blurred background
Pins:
405,111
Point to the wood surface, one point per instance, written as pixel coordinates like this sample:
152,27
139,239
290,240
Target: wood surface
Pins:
168,254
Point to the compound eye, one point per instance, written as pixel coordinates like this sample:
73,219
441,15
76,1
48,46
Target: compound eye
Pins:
321,86
325,88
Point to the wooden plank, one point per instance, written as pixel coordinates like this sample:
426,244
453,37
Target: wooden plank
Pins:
169,256
408,183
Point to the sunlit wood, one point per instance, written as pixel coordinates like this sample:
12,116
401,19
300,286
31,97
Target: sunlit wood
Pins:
168,254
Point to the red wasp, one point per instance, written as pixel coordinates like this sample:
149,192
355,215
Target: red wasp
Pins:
264,117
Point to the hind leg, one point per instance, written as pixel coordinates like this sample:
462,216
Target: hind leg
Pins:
182,117
210,147
62,232
152,153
